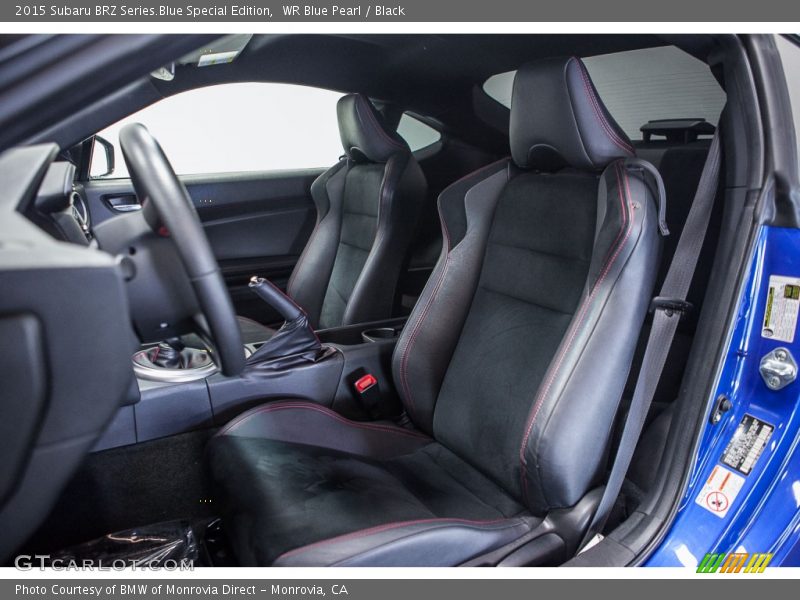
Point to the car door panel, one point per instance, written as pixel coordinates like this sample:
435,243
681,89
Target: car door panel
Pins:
257,223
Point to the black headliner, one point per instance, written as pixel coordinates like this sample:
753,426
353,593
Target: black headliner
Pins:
428,73
436,76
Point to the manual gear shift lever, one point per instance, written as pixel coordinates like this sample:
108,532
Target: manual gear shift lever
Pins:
173,362
168,354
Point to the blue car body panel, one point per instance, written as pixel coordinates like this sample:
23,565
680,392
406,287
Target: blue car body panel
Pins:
765,514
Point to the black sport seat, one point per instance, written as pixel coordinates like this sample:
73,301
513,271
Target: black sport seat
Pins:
511,367
367,208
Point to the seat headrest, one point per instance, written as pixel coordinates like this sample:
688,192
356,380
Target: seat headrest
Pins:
558,120
364,135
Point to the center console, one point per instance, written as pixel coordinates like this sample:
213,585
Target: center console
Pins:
184,392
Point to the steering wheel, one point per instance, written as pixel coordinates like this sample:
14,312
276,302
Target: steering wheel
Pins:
168,210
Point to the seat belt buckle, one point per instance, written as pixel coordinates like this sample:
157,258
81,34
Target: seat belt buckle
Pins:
365,383
368,393
670,306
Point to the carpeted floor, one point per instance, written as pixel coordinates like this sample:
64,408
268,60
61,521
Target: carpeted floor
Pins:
129,487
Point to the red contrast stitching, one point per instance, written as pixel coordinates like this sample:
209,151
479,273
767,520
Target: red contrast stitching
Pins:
418,324
475,173
388,527
601,118
320,409
313,235
380,229
376,123
285,295
626,227
439,282
296,305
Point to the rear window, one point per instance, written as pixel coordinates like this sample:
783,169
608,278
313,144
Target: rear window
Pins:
417,134
643,85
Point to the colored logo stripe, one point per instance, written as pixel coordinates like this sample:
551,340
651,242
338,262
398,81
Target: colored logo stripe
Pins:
734,562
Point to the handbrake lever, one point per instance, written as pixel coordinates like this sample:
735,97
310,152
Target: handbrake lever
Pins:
270,294
296,337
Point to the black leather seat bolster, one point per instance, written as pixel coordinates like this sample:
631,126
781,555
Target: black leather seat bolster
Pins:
309,280
300,484
401,198
592,362
423,353
430,542
302,422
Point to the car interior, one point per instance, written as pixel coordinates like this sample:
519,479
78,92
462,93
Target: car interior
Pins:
419,354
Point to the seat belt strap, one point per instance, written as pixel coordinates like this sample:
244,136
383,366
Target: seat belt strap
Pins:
667,308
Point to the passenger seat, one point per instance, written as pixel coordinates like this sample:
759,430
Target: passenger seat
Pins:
367,209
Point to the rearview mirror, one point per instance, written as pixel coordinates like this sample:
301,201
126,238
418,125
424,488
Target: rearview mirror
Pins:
102,163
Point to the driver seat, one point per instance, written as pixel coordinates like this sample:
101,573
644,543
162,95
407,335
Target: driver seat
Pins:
511,369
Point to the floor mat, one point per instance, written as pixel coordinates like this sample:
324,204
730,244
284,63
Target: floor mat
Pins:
129,487
171,545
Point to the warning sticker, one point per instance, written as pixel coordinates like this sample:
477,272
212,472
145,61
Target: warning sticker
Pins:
720,491
783,304
747,444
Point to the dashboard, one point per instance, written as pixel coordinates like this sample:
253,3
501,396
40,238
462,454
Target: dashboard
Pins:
65,337
59,208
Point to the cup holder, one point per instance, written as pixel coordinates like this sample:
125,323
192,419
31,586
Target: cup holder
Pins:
379,334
